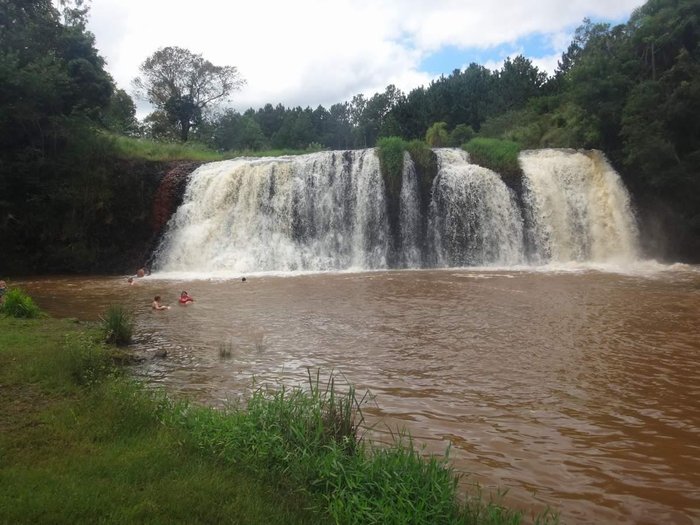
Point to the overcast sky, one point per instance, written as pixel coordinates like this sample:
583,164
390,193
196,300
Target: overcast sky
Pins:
316,52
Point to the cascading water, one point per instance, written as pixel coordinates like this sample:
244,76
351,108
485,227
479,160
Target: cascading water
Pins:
329,211
410,216
474,218
578,208
323,211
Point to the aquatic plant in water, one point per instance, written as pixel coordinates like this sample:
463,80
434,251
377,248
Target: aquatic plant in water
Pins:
117,325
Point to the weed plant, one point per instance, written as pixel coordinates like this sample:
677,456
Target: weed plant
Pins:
117,325
19,304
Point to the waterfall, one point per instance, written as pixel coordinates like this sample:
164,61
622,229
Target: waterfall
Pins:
410,216
329,211
474,219
323,211
577,207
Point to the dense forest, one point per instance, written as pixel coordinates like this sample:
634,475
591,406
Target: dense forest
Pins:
69,201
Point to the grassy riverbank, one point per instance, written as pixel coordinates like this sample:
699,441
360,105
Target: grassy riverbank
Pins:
81,443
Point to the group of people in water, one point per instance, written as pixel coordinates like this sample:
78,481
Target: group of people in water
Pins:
184,300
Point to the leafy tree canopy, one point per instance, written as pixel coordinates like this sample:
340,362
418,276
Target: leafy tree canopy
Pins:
183,85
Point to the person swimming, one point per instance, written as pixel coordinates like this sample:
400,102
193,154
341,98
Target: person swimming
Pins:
156,304
185,298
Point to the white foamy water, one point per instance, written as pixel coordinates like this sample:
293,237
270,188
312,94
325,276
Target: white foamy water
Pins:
474,218
328,212
318,212
579,208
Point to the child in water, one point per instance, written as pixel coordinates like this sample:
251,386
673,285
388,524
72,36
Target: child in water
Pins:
156,304
185,298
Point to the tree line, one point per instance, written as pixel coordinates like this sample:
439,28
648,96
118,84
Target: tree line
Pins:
631,90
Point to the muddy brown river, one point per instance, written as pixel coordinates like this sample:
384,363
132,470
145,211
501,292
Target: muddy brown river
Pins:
574,389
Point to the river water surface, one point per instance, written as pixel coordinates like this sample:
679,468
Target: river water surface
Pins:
574,389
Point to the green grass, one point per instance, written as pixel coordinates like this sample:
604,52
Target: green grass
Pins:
99,451
147,149
498,155
274,152
81,443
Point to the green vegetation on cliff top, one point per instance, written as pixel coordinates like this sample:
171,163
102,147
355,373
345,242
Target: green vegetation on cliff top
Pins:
498,155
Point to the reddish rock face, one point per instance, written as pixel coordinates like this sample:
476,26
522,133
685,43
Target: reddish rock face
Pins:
169,194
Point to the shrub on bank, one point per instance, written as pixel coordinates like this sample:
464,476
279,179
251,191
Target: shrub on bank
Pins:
19,304
117,325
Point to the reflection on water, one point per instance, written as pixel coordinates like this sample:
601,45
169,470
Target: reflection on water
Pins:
576,390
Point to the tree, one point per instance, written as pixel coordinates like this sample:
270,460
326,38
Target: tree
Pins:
368,115
462,134
120,115
437,135
184,85
54,193
233,131
517,82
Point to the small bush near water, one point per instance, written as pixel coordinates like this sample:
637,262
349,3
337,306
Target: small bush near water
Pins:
117,325
19,304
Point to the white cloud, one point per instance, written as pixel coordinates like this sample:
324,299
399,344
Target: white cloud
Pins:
312,52
547,63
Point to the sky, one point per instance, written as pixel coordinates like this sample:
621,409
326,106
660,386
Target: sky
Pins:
316,52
